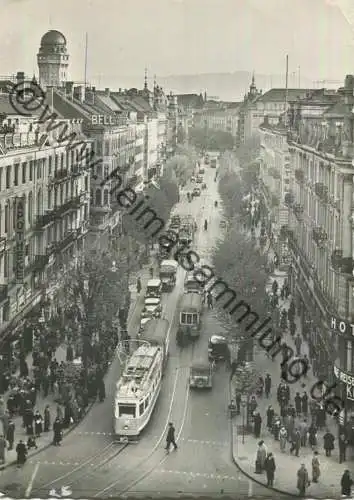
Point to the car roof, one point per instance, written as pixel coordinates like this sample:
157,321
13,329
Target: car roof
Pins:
217,339
154,282
152,299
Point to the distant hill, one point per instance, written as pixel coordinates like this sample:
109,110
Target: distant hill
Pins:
226,86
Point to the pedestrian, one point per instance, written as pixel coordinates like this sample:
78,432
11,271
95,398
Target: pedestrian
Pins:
31,443
270,416
295,442
10,434
2,449
267,385
312,435
328,443
151,272
298,343
316,472
346,484
47,418
21,451
302,480
297,401
38,424
170,438
138,285
57,430
260,386
261,457
303,427
270,469
257,425
342,445
283,438
253,405
304,404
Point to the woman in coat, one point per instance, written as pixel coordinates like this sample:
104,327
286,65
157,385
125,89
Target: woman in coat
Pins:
346,483
302,480
46,418
2,449
270,469
328,443
316,472
38,424
261,456
282,438
313,435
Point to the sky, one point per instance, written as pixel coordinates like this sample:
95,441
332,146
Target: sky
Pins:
180,37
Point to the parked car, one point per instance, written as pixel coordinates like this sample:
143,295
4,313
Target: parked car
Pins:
196,192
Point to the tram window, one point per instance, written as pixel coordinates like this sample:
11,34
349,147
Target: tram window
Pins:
147,402
127,410
195,319
189,319
141,408
183,318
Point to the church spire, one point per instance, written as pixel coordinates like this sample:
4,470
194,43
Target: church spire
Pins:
146,80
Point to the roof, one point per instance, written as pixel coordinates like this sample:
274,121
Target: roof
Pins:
338,110
107,101
275,95
190,100
53,37
191,300
6,108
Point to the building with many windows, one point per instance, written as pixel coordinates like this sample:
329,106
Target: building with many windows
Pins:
44,212
319,229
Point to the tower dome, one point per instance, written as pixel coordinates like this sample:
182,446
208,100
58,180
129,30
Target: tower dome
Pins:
53,37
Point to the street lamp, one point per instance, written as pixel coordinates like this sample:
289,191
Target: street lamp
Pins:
243,404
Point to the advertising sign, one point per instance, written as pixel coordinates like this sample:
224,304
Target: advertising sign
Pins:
20,241
348,380
342,326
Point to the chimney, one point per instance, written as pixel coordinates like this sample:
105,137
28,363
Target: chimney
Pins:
107,91
120,90
20,77
79,93
69,88
90,96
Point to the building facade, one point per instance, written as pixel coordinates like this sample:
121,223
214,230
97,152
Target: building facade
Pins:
43,218
275,175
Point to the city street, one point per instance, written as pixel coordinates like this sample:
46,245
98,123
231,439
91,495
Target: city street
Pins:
89,463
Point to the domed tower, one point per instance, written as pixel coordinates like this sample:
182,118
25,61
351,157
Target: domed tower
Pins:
53,60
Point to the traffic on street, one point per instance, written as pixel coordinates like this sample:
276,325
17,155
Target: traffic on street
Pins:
94,461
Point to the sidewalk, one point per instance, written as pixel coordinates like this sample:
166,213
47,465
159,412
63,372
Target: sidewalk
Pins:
244,454
46,438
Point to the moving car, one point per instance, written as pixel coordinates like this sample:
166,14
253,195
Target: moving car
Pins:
152,309
201,375
196,191
218,348
154,288
199,179
168,271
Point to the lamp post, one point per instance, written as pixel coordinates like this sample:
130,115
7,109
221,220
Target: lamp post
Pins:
243,404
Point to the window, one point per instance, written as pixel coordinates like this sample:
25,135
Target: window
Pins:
105,197
86,183
49,165
106,172
129,410
6,312
141,408
30,208
39,169
24,168
8,177
98,197
6,264
31,170
7,217
17,168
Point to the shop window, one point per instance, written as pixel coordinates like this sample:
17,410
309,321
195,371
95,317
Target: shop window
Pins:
349,363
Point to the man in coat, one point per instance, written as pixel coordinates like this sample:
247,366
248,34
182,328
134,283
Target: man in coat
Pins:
328,443
257,425
21,451
10,434
267,385
295,442
170,438
302,480
269,467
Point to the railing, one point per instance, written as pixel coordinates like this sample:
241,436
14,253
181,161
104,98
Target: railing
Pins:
4,291
319,236
299,175
44,220
68,238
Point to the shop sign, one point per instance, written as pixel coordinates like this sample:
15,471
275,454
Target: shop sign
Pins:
342,326
104,120
348,380
20,241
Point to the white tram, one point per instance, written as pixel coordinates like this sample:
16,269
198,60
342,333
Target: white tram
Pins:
139,386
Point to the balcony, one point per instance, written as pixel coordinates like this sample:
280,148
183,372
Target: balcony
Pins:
2,245
59,176
70,205
289,199
274,173
299,175
68,238
322,191
319,236
298,211
4,291
340,264
42,221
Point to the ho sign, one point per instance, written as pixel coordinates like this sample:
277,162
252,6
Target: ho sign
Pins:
342,326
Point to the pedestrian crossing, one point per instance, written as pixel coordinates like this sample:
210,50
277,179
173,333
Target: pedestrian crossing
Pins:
196,475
